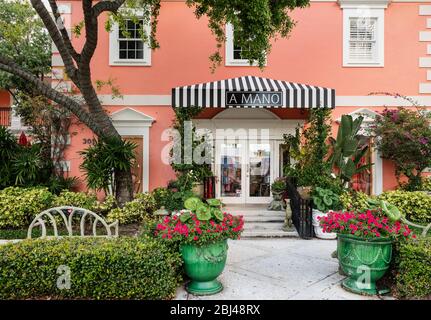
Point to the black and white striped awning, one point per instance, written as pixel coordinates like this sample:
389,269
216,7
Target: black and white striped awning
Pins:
253,92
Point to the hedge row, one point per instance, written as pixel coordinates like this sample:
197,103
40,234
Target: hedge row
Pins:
100,268
18,206
413,278
415,205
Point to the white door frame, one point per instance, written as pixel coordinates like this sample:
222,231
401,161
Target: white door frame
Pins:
129,122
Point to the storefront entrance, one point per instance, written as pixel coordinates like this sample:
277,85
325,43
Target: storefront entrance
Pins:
247,137
244,171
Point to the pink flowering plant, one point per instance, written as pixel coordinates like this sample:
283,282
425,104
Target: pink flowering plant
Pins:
369,224
200,224
200,232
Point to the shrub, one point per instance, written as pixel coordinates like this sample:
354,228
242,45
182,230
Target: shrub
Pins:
134,211
413,278
160,196
415,205
75,199
123,268
354,200
18,206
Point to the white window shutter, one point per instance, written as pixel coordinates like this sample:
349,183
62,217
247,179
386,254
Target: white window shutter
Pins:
363,39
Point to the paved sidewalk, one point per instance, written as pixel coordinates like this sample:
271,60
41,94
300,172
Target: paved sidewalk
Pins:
286,269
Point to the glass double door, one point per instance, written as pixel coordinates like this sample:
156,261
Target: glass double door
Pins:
244,170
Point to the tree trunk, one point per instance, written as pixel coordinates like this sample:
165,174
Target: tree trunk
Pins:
123,187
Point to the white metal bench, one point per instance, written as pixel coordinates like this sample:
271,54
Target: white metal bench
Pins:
86,216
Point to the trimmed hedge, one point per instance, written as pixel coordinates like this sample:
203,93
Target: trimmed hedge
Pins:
415,205
18,206
100,268
136,211
413,278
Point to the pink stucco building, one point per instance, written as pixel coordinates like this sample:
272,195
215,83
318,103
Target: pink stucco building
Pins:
336,56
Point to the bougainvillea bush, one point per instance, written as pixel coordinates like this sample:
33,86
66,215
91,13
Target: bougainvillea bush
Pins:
404,136
199,232
368,224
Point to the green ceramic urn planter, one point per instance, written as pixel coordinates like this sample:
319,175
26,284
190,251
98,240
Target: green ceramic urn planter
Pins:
203,264
364,261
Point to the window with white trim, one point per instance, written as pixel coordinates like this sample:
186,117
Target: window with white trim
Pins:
363,38
233,55
126,47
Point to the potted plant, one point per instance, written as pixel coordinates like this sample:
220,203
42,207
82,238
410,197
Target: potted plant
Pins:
277,188
324,200
364,246
202,230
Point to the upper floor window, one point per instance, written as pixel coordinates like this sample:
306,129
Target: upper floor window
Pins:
363,38
234,53
126,47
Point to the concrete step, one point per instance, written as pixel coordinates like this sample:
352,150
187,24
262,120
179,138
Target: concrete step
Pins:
249,234
263,226
264,218
254,212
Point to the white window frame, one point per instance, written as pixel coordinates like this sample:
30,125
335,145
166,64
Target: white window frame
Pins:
364,12
230,61
114,50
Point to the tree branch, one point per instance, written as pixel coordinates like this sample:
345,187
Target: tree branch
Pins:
55,35
110,6
63,31
44,89
91,32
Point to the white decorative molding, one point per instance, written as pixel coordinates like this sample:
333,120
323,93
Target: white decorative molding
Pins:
56,61
424,36
364,3
425,10
136,100
424,87
425,62
429,75
340,101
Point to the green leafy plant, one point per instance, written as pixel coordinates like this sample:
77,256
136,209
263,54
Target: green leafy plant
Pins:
186,147
354,200
136,211
57,184
8,148
325,200
346,150
203,211
161,197
309,149
413,270
103,159
142,268
76,199
18,206
279,185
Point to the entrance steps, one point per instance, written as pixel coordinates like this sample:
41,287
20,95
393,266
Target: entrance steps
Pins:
259,222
